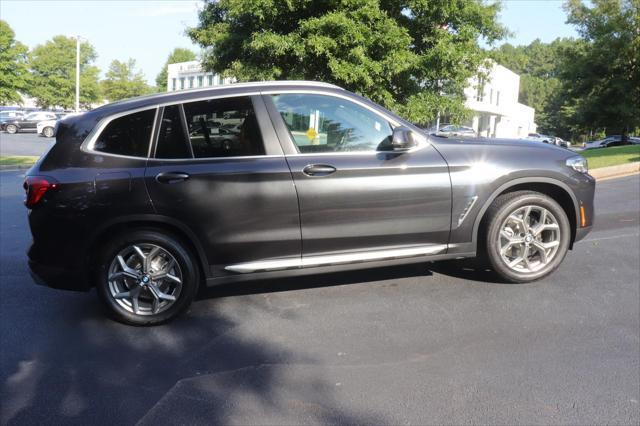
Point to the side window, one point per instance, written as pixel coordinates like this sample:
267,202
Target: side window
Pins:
223,128
172,142
321,123
127,135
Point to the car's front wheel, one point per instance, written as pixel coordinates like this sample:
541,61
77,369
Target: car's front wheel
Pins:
146,277
528,236
12,128
48,132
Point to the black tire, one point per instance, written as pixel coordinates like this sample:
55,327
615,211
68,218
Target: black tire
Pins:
47,132
11,128
182,255
497,214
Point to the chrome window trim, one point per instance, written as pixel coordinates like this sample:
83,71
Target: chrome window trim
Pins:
89,142
246,157
336,259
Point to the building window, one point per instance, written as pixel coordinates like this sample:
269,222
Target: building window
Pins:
181,82
200,80
210,80
491,96
190,82
480,90
498,98
173,84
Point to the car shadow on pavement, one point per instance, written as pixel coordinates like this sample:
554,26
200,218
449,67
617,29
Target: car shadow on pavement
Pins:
201,368
466,269
469,270
330,279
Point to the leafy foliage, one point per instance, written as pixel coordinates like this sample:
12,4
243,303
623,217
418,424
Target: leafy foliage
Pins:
14,74
179,54
412,56
539,67
589,86
601,74
122,81
53,68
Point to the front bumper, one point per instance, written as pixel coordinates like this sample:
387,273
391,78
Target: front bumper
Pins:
581,233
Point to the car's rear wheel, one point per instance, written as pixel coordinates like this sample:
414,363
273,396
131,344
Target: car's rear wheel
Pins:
11,128
528,236
146,277
48,132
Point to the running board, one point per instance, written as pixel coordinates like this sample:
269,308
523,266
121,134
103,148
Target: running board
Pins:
336,259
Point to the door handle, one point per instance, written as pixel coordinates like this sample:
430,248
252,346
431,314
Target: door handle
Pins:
318,170
171,177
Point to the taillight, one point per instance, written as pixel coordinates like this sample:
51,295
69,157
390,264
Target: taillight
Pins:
35,188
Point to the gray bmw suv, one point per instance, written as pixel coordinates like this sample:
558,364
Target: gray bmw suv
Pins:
150,198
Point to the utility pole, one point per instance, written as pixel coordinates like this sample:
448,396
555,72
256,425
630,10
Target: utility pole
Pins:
77,73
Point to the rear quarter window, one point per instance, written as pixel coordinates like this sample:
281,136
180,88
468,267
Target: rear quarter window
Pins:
127,135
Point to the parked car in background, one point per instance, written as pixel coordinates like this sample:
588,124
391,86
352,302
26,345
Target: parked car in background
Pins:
609,141
561,142
47,128
454,130
27,123
539,137
9,115
129,201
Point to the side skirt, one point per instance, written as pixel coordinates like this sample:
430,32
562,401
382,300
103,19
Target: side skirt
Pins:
334,268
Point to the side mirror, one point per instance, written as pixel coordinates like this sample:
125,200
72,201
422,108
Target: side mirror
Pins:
401,140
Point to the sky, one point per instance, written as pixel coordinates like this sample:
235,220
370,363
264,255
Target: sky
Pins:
147,31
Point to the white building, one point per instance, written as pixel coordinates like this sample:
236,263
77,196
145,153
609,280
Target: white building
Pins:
497,112
189,75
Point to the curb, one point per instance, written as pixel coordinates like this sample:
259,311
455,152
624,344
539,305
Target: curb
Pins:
10,167
615,171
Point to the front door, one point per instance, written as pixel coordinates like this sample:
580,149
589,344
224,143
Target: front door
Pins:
219,170
356,202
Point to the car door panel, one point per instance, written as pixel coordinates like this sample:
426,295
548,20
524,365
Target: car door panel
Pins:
363,201
243,208
373,201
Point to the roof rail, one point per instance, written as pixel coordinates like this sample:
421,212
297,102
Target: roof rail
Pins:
225,86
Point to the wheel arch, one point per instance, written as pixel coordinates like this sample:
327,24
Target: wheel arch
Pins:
181,231
557,190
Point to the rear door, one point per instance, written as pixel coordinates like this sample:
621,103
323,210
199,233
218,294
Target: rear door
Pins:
218,169
354,198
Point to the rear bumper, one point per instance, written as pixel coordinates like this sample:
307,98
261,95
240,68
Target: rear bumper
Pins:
55,276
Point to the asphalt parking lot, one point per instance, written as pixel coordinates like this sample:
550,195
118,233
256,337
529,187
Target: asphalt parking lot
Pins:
427,344
27,143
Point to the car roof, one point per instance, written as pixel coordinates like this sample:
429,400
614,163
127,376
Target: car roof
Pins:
227,89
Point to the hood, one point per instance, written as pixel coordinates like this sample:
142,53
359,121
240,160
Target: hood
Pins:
494,142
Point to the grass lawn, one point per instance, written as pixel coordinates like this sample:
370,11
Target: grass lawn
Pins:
604,157
17,160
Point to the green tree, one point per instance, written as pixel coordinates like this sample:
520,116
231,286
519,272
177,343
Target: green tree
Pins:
123,81
601,74
179,54
411,56
14,73
539,66
53,67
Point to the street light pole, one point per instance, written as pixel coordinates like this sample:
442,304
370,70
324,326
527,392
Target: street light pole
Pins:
77,73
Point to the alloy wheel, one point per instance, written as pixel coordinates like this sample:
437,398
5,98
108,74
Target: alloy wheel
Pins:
145,279
529,239
48,132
